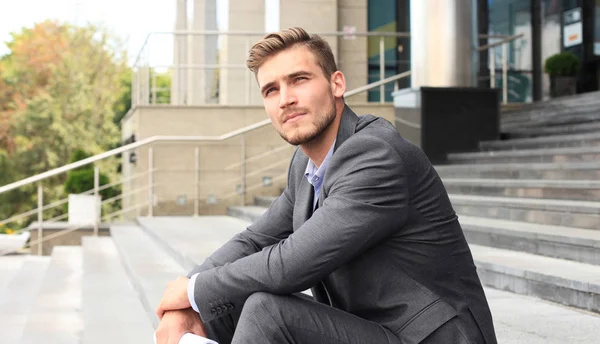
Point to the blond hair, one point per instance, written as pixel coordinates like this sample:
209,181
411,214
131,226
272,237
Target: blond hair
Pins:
274,43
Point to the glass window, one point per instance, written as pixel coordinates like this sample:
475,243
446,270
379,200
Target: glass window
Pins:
551,37
512,17
381,16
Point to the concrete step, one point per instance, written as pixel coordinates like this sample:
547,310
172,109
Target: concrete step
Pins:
569,283
10,265
581,114
190,240
557,141
56,315
551,171
582,190
552,105
577,214
148,266
546,155
552,130
19,297
249,213
112,310
581,245
264,201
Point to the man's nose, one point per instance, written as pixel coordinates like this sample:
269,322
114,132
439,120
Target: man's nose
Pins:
286,97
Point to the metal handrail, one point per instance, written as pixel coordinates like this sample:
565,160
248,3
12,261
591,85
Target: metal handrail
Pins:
160,138
499,43
262,33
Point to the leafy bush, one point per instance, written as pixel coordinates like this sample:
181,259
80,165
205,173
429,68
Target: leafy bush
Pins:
79,181
562,64
80,154
82,179
7,230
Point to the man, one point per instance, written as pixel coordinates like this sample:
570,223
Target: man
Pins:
365,222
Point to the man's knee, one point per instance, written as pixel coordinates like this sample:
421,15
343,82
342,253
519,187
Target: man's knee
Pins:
261,304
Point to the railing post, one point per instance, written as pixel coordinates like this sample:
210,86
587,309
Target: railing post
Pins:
138,87
189,70
243,169
97,203
381,68
504,75
153,87
150,181
248,84
196,180
40,211
492,68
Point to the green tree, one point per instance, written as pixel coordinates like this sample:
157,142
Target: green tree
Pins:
62,86
81,179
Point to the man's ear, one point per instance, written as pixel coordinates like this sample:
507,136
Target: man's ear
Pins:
338,84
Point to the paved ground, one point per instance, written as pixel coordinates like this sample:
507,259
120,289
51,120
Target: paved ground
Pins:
523,319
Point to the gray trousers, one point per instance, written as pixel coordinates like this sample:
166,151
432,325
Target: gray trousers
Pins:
268,318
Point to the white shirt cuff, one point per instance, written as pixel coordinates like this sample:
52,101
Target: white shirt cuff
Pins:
191,288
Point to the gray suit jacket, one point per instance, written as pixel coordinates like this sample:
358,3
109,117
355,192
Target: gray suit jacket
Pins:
384,243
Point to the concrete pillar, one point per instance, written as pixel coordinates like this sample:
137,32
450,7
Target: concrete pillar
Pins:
179,82
443,43
204,52
353,53
237,86
313,16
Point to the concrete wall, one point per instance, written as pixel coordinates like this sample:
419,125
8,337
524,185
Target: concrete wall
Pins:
204,52
179,81
237,85
353,53
313,16
68,239
220,171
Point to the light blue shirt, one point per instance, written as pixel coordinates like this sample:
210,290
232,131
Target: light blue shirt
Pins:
314,176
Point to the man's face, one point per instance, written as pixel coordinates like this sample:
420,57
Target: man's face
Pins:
298,97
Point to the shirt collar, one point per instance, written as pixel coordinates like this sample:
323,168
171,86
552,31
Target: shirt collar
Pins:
315,176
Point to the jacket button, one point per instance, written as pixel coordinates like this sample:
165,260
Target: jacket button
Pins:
230,306
213,311
219,310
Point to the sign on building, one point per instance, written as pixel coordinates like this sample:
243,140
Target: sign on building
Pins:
349,32
573,27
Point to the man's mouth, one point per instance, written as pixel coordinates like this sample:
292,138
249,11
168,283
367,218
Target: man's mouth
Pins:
294,117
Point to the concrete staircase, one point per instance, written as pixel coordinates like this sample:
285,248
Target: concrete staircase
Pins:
529,207
106,290
530,204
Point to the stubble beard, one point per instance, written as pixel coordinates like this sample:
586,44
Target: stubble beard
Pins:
321,124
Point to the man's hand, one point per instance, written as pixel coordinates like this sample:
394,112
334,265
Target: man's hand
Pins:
175,297
174,324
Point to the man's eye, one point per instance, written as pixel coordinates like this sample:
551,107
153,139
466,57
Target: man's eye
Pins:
300,78
269,91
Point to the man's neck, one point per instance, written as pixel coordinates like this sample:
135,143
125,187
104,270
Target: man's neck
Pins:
317,149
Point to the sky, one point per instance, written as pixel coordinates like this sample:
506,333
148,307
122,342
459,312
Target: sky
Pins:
131,20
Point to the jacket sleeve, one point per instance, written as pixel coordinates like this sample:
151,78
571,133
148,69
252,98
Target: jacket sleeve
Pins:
366,202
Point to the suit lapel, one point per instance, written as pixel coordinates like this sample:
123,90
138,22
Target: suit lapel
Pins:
347,126
303,208
346,129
